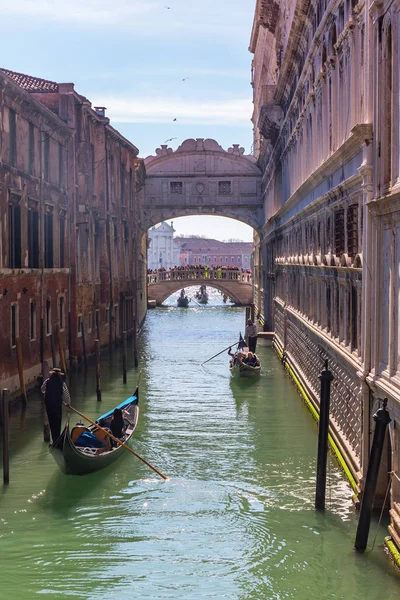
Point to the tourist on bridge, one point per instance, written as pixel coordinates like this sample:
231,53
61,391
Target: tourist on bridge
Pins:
250,335
55,392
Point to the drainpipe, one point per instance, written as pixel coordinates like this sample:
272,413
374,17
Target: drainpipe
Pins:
41,246
108,238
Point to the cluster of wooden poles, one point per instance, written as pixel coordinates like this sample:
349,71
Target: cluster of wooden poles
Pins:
5,408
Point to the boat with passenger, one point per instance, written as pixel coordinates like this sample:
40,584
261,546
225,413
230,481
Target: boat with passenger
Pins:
182,300
243,363
80,450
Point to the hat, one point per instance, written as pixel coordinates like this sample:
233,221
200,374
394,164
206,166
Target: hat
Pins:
56,370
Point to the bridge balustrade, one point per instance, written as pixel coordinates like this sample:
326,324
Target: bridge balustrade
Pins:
199,274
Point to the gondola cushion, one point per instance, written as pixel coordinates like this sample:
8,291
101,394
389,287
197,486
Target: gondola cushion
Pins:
89,440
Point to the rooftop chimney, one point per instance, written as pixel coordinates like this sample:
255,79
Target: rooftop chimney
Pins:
101,110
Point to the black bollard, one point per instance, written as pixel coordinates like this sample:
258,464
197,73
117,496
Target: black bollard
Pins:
382,420
326,379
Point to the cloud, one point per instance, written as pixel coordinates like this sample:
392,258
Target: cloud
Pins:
85,11
144,18
161,110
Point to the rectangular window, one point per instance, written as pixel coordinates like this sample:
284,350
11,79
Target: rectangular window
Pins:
62,242
60,164
13,137
31,149
48,316
48,241
14,324
176,187
352,230
233,259
221,259
90,322
46,157
224,188
339,231
32,320
14,236
107,316
122,183
195,259
215,259
226,259
33,239
61,312
130,188
97,250
79,323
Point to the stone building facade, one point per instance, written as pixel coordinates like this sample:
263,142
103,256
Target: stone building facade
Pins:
162,251
326,124
71,249
214,253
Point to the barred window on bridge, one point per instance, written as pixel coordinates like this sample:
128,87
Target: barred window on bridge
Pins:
176,187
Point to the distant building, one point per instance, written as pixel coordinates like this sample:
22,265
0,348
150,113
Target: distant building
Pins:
162,251
201,251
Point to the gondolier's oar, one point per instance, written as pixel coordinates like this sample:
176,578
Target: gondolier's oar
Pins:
195,301
225,349
116,440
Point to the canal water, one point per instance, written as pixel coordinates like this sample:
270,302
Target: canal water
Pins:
236,518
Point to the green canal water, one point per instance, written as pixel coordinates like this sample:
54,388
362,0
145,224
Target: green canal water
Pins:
236,518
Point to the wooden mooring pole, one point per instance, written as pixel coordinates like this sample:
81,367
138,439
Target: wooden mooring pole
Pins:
124,355
84,344
53,349
21,372
134,337
326,379
4,419
98,373
61,350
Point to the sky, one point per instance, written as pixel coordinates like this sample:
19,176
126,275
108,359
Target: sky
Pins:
148,62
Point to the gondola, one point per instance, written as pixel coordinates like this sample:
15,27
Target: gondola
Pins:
80,460
238,368
183,302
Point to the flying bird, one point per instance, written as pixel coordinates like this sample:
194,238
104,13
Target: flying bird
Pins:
170,140
185,78
174,119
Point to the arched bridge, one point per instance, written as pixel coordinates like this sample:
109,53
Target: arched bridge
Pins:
237,284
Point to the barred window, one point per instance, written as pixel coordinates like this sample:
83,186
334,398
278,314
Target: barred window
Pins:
339,231
224,188
176,187
352,230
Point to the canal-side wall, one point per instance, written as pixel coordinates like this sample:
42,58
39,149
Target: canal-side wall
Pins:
304,350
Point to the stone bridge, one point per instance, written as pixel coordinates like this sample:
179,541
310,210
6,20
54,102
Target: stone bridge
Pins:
237,284
201,178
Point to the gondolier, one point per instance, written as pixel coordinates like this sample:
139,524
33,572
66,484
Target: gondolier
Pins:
250,335
55,392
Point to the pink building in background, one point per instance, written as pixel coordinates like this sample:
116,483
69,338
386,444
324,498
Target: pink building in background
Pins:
201,251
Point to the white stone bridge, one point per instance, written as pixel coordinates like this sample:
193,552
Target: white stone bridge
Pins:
237,284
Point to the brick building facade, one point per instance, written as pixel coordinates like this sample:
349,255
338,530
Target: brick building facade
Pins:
70,247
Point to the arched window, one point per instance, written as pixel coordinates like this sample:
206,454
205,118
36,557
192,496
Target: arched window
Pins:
387,106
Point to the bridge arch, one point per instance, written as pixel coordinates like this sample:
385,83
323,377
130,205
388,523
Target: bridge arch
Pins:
201,178
237,285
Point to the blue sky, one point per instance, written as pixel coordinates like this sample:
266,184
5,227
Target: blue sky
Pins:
132,57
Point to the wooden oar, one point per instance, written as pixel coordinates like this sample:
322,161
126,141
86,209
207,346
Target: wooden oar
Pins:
195,301
116,440
225,349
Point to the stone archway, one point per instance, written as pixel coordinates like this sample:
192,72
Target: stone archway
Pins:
201,178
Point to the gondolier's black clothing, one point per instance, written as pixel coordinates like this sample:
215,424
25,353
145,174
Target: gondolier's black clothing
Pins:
54,391
251,337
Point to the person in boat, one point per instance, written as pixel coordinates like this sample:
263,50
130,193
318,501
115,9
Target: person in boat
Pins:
250,335
252,360
238,355
117,425
55,393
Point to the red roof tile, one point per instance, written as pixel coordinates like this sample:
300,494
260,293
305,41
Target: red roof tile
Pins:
31,84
